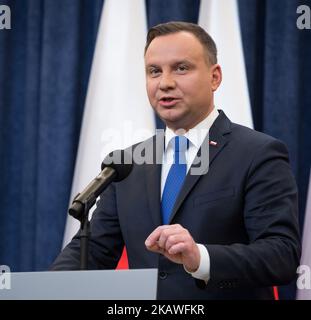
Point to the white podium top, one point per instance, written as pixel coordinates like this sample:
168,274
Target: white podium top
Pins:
140,284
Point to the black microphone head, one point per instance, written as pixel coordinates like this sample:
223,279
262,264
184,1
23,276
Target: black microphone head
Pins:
121,162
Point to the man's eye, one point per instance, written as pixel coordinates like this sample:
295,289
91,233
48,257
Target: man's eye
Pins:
182,68
154,72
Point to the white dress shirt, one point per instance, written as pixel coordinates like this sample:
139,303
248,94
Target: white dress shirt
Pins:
196,137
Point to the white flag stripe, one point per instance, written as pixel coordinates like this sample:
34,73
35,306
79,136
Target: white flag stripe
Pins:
117,113
305,294
221,20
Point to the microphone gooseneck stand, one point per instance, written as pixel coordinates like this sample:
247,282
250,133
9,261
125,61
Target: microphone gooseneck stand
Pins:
85,200
84,238
84,232
81,205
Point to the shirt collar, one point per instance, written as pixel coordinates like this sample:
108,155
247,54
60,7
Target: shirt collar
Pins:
197,134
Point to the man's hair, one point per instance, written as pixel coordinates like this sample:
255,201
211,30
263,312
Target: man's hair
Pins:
178,26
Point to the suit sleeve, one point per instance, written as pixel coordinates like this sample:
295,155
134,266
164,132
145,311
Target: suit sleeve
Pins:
105,242
271,221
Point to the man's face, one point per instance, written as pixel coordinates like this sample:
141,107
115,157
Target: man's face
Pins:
180,81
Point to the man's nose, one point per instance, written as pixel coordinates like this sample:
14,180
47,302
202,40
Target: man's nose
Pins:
167,82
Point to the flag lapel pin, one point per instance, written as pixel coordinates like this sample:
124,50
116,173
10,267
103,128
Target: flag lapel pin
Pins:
213,143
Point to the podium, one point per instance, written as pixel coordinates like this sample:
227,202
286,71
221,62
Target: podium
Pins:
138,284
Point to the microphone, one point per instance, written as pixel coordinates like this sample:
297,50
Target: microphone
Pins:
115,168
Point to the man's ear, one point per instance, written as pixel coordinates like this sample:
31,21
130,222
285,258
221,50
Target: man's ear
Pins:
216,76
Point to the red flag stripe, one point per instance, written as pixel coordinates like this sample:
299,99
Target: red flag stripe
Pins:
123,262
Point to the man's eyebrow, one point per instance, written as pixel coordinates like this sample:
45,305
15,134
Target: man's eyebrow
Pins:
152,65
183,61
174,63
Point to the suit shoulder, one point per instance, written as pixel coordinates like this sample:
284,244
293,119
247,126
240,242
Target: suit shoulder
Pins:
251,136
253,143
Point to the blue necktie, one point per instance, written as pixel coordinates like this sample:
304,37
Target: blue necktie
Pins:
175,177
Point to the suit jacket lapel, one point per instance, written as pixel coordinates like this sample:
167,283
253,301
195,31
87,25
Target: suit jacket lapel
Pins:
153,178
218,132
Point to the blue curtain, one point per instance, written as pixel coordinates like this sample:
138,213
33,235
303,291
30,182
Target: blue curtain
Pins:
278,70
45,62
279,75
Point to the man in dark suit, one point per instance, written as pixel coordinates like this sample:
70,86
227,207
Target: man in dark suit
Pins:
217,212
